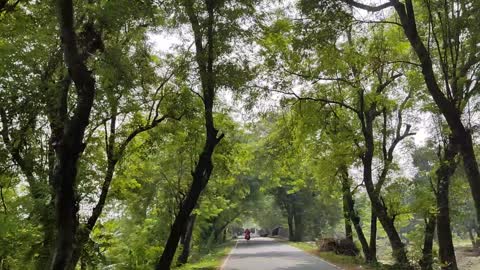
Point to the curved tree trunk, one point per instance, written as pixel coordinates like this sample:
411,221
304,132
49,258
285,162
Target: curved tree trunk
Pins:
70,146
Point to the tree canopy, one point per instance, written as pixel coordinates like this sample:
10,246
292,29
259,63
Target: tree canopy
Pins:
142,134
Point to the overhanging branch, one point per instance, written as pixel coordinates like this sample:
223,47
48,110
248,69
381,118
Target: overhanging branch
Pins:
370,8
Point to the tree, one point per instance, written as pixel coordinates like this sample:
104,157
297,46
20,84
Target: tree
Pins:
450,56
210,40
367,100
68,137
121,102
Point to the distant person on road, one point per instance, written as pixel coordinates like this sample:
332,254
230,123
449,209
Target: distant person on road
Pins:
247,234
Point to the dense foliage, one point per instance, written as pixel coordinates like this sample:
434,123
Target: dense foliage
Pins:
142,134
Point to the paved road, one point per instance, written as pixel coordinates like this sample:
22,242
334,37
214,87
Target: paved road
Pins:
269,254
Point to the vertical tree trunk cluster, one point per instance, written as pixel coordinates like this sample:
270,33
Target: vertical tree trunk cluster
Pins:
379,209
293,206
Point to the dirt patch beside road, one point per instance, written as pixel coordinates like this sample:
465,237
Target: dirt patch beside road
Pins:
468,258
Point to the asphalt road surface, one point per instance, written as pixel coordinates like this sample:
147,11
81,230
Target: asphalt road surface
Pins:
269,254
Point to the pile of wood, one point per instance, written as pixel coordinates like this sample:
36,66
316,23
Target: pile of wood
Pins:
339,246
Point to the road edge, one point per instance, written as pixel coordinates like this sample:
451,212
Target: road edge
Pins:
228,256
310,254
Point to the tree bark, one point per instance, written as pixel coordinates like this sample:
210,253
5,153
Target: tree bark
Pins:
346,216
291,232
352,214
298,227
443,173
186,240
200,178
427,257
373,235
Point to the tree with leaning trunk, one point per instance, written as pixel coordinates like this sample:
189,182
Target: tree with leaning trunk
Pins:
214,26
205,56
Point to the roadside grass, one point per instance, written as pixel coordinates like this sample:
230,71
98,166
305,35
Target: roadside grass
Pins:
211,260
344,262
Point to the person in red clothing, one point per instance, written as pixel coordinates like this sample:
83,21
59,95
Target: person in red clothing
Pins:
247,234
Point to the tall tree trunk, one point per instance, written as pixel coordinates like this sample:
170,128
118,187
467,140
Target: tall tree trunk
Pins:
353,216
299,226
427,257
355,219
473,175
200,178
373,235
378,208
114,153
70,146
47,221
443,173
346,216
369,258
291,232
205,58
186,240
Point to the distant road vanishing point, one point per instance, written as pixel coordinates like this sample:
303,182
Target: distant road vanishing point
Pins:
269,254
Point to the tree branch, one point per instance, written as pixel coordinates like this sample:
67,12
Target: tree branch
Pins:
323,100
370,8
